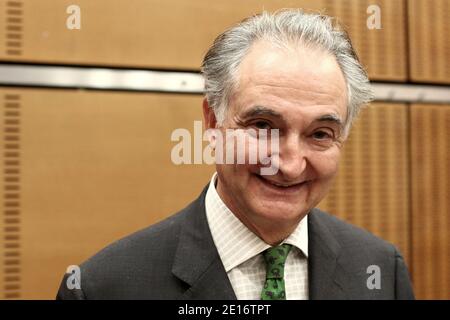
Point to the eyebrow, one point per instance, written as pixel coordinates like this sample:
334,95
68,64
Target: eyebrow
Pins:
261,111
264,111
331,118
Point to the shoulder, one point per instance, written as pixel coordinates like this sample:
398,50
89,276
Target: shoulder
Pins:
157,241
351,238
161,236
361,259
129,266
126,268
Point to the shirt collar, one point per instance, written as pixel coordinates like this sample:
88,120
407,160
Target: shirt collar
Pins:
234,241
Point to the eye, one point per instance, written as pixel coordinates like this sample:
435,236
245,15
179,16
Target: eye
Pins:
261,124
322,135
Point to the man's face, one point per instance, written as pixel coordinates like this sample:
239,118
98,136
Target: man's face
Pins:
302,93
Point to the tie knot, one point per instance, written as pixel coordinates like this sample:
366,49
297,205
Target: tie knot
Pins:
275,258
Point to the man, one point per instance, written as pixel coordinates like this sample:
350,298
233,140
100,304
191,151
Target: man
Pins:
255,236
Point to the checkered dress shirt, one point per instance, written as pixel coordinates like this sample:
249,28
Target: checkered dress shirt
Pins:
241,252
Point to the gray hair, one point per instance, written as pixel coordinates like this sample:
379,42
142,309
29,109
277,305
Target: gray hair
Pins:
221,63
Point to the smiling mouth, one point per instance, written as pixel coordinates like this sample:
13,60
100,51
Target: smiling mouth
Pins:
285,187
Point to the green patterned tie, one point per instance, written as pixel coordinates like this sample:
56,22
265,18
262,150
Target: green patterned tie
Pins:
275,258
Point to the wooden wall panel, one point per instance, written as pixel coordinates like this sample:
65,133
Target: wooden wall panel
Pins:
86,168
177,33
10,232
429,40
372,186
94,167
3,251
430,136
382,51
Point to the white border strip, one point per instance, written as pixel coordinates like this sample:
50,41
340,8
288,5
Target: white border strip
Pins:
100,78
411,93
180,82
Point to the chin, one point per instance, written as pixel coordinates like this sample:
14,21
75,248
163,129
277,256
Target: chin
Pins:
278,210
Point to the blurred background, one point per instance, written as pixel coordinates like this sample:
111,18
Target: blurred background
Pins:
91,90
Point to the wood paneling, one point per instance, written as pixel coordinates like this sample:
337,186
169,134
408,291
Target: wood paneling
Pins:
94,167
80,169
372,187
382,51
429,40
177,33
430,136
10,232
90,166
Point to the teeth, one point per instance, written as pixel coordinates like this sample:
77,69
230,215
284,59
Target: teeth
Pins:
282,185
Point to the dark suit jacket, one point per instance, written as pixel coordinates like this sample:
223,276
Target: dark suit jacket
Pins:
177,259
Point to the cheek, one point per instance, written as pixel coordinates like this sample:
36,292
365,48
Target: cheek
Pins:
326,165
236,176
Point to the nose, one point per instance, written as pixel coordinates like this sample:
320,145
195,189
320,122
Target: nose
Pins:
293,158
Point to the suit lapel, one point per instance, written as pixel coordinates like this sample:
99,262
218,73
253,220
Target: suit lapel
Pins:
197,261
198,264
326,277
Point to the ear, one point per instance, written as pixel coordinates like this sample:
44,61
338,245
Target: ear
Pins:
208,115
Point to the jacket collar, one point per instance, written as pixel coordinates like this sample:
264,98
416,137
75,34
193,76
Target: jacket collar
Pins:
327,279
197,261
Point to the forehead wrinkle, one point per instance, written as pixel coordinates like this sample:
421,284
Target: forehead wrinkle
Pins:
281,75
292,102
315,91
